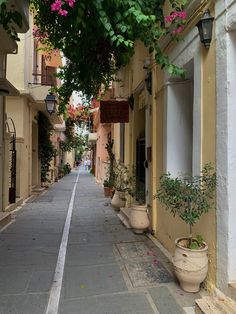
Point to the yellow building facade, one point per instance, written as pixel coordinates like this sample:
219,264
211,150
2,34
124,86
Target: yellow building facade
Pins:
173,128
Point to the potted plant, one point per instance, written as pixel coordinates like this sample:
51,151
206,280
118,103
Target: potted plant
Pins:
121,184
138,219
107,188
189,198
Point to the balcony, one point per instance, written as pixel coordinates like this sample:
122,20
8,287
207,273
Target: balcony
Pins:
39,89
42,83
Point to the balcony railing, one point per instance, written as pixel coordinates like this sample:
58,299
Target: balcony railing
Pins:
44,79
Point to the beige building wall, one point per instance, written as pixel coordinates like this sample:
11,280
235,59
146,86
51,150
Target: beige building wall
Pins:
19,110
167,228
70,158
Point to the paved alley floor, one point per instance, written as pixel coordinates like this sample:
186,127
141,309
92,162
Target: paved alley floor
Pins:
107,268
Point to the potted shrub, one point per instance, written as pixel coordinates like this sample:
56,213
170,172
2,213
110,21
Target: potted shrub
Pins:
189,198
107,188
121,185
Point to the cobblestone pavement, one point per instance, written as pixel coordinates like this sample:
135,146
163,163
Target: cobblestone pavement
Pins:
108,269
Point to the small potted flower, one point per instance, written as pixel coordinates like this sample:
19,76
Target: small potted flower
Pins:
107,188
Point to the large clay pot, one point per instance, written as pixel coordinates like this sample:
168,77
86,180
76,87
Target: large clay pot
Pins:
139,220
118,200
190,266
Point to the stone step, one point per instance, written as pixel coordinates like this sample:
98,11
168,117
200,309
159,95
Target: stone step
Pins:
5,218
215,305
124,215
232,290
13,206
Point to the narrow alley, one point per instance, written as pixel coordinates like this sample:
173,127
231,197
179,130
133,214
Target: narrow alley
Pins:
108,269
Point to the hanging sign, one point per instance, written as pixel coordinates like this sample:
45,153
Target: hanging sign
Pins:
114,111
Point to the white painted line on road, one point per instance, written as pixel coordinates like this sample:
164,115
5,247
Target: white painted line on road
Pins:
55,292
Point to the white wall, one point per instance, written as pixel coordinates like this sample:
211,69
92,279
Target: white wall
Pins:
1,151
187,54
225,24
178,133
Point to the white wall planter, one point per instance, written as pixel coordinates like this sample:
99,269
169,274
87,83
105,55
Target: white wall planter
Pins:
139,220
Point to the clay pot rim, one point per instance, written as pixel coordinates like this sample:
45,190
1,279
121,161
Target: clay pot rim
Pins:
120,192
139,207
205,248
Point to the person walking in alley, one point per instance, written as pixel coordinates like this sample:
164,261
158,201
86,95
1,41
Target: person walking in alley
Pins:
88,164
85,164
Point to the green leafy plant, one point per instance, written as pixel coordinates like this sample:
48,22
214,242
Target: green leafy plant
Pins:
188,197
106,183
133,189
74,140
46,149
121,177
8,17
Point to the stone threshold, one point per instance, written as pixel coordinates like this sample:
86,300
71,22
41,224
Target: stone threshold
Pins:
5,219
215,305
13,206
124,215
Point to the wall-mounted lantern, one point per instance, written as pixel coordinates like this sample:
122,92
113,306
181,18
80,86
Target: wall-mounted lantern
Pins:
50,102
148,82
205,25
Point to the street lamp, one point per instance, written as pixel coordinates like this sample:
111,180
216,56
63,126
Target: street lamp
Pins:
205,28
50,102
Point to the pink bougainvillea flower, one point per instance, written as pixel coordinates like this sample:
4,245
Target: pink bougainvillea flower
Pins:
71,3
63,12
170,18
178,30
56,6
183,15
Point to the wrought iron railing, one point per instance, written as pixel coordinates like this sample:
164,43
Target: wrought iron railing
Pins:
44,79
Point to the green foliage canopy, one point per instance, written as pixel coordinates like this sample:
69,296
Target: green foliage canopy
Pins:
74,140
98,37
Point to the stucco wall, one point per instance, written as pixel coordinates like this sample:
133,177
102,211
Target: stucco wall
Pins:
18,109
168,228
1,151
226,146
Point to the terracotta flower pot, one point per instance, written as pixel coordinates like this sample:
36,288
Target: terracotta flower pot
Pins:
190,266
106,191
139,220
